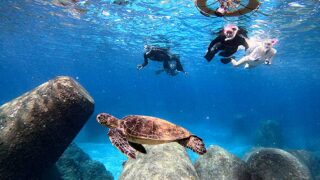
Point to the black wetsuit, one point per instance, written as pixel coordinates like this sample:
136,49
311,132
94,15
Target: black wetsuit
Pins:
227,47
162,55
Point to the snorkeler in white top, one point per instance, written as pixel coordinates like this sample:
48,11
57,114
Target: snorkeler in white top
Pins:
262,54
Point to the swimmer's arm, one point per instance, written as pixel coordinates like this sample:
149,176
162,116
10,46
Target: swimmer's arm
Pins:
213,42
145,60
268,61
245,44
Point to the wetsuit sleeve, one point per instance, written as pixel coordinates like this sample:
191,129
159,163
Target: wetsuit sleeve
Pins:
166,65
245,44
145,62
213,42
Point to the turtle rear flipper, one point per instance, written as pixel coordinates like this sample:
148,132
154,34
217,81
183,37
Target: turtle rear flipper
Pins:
194,143
119,140
138,147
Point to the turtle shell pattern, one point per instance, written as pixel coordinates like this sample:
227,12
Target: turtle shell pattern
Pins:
151,128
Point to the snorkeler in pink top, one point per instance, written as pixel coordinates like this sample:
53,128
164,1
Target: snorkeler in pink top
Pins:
227,43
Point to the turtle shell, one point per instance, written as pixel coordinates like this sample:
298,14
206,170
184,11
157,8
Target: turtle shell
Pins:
150,130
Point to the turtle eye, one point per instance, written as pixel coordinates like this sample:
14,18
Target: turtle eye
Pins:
99,117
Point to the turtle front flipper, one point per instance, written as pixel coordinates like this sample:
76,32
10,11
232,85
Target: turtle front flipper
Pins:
194,143
119,140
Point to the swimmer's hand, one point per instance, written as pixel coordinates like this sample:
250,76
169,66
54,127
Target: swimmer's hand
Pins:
185,73
267,63
139,67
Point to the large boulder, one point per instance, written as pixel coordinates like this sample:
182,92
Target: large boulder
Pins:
39,125
311,160
217,163
165,161
76,164
271,163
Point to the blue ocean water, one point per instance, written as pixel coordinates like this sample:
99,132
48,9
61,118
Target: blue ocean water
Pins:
101,46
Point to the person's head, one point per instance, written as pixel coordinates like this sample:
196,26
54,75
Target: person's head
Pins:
147,47
268,44
172,69
230,31
220,11
173,65
107,120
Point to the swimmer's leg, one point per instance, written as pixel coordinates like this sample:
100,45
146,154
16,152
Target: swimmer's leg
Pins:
240,62
179,66
228,52
166,65
226,60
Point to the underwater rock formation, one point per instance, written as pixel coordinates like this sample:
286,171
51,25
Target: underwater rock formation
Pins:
269,135
38,126
164,161
272,163
217,163
311,160
76,164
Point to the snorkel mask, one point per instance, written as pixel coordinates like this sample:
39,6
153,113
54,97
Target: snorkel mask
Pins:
268,44
230,31
173,65
147,47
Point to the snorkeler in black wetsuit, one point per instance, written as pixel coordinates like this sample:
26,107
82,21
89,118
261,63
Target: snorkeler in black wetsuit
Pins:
171,62
228,41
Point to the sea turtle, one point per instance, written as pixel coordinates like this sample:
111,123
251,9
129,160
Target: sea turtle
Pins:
129,133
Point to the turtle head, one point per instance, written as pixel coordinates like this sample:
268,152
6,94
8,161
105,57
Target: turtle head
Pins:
108,120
